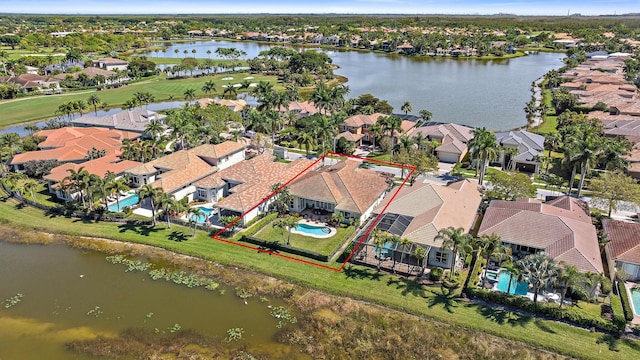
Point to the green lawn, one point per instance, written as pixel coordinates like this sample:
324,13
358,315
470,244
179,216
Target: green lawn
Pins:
357,282
42,107
323,246
177,60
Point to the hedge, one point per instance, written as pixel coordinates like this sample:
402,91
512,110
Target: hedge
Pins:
276,246
474,275
256,225
551,310
619,317
624,297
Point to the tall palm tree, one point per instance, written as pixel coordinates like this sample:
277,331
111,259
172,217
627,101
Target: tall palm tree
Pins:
585,150
194,213
514,271
11,141
286,223
484,147
94,101
30,186
539,270
426,116
406,107
147,191
420,254
552,142
379,241
568,276
403,244
79,181
492,245
116,187
167,203
325,129
209,87
189,94
155,128
307,139
455,240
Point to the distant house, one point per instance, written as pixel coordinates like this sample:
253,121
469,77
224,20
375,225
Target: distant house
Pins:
110,77
420,211
301,108
342,187
111,64
240,188
128,120
623,249
71,145
178,172
527,148
235,105
560,228
357,128
453,139
34,83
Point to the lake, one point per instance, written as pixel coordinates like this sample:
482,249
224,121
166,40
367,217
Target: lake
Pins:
62,285
489,93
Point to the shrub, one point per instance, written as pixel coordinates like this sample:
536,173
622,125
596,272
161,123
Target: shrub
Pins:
605,285
624,297
618,313
436,273
260,222
276,246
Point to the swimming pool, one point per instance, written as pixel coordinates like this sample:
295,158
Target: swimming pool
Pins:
635,299
385,251
313,230
517,288
202,218
124,202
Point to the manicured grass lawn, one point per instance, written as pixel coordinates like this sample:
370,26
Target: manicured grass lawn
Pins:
177,60
323,246
42,107
382,156
358,282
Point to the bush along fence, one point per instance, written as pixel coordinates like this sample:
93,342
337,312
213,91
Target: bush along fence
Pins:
61,211
616,324
624,297
276,246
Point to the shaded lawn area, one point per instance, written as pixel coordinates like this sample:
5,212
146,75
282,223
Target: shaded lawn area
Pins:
45,198
323,246
357,282
45,106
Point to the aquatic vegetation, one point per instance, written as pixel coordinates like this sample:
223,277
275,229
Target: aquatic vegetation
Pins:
12,301
183,278
244,294
280,312
132,265
234,334
222,291
149,315
96,311
264,299
175,328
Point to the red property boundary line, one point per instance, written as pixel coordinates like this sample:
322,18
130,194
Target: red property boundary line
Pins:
217,237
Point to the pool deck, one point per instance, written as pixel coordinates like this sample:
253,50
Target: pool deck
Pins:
636,318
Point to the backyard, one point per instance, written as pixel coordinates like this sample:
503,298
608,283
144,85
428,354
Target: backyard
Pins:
326,246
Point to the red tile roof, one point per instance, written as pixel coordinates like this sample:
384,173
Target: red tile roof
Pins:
560,227
100,167
624,240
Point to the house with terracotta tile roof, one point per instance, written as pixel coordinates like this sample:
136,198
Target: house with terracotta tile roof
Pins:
177,173
127,120
101,167
623,249
357,128
301,108
71,145
453,139
34,83
527,147
420,211
561,228
238,189
342,187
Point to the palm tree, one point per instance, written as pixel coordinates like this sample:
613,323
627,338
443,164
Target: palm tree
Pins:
491,245
379,240
11,141
425,115
30,186
118,186
289,223
155,128
455,240
230,91
307,139
420,254
209,87
484,147
568,276
167,203
406,107
194,213
513,270
539,270
148,191
403,244
79,181
585,150
376,131
189,94
94,101
324,130
552,142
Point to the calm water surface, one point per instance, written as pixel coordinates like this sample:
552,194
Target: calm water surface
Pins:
56,301
490,93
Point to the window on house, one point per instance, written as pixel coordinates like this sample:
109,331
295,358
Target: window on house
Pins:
136,180
202,193
441,257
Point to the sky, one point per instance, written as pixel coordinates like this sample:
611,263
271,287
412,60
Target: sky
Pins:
470,7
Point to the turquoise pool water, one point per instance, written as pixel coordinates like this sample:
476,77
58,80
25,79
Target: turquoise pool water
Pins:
635,299
124,202
202,218
313,230
386,250
517,288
